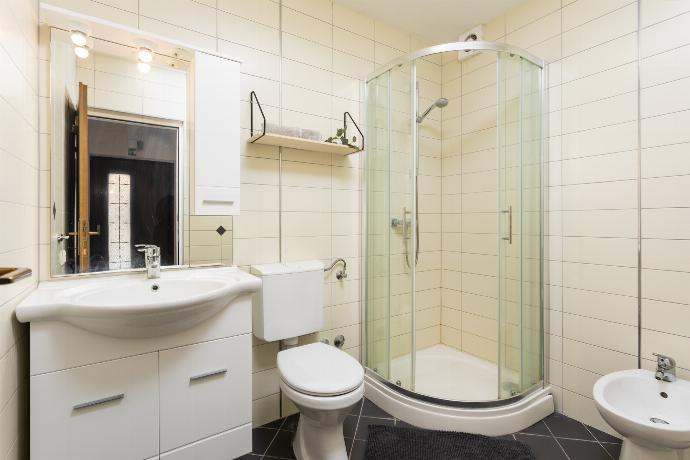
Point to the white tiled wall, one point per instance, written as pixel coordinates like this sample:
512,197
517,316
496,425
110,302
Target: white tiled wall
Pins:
664,111
19,170
115,84
470,264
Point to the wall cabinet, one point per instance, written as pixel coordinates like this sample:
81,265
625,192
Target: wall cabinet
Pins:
216,135
178,397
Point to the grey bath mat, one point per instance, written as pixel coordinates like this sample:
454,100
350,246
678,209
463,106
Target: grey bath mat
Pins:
397,443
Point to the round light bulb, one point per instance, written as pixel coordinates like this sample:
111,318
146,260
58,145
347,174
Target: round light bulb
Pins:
82,52
145,55
144,67
78,37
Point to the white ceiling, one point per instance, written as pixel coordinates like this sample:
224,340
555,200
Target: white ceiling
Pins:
438,20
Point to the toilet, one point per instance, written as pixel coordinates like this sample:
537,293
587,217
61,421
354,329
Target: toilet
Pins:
321,380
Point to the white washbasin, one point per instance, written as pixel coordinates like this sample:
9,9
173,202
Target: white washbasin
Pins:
133,306
652,415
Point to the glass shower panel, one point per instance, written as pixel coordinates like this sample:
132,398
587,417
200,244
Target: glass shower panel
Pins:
531,250
377,237
401,227
520,225
509,224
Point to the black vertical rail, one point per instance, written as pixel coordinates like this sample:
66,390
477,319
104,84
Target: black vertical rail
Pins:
252,98
347,115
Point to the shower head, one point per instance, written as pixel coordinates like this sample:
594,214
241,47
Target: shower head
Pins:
441,102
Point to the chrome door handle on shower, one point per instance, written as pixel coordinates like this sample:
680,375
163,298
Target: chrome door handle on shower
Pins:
509,211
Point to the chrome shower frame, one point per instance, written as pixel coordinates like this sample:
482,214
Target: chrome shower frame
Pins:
542,386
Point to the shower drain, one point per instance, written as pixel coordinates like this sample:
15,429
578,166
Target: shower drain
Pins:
658,420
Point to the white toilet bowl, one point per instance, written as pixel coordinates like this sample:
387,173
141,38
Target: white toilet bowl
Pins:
653,416
324,383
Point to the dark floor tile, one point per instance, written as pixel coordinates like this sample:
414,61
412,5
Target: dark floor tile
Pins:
402,424
369,409
603,437
584,450
537,428
507,437
281,446
544,448
613,449
275,424
261,439
358,449
357,407
249,457
291,423
350,426
566,427
348,445
364,422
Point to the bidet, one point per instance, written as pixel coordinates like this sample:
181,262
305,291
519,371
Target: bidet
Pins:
653,415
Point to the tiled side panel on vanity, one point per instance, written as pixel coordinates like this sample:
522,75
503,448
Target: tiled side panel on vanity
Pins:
19,198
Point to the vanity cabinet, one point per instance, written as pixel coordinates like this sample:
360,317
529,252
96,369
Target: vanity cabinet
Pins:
184,396
89,412
203,390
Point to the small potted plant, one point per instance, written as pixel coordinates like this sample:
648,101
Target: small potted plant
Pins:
341,137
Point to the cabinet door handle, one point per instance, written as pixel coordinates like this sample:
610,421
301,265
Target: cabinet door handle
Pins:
98,402
194,378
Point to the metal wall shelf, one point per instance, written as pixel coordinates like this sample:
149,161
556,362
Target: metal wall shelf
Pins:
280,140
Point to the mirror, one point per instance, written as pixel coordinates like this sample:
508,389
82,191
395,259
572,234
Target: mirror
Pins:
119,159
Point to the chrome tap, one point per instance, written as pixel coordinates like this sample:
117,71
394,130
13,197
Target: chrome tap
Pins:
152,259
665,368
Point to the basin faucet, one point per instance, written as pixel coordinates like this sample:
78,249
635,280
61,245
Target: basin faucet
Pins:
665,368
152,259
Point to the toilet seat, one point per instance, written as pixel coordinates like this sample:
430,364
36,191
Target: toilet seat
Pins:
320,370
322,403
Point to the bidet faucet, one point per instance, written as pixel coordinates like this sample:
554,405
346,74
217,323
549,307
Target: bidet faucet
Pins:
152,259
665,368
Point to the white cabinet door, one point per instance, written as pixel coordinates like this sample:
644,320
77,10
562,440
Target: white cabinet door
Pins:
107,411
205,389
216,135
224,446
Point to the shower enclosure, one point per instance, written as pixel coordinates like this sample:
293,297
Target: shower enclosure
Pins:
453,227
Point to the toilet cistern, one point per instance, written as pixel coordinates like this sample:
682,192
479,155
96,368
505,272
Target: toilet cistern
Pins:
665,368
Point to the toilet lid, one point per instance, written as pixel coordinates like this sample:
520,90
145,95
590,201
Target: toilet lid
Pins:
320,370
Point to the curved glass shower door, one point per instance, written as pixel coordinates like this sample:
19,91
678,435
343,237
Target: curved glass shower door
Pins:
520,358
389,233
453,225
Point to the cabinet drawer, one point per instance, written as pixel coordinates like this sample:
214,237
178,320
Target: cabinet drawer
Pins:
107,411
231,444
205,389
